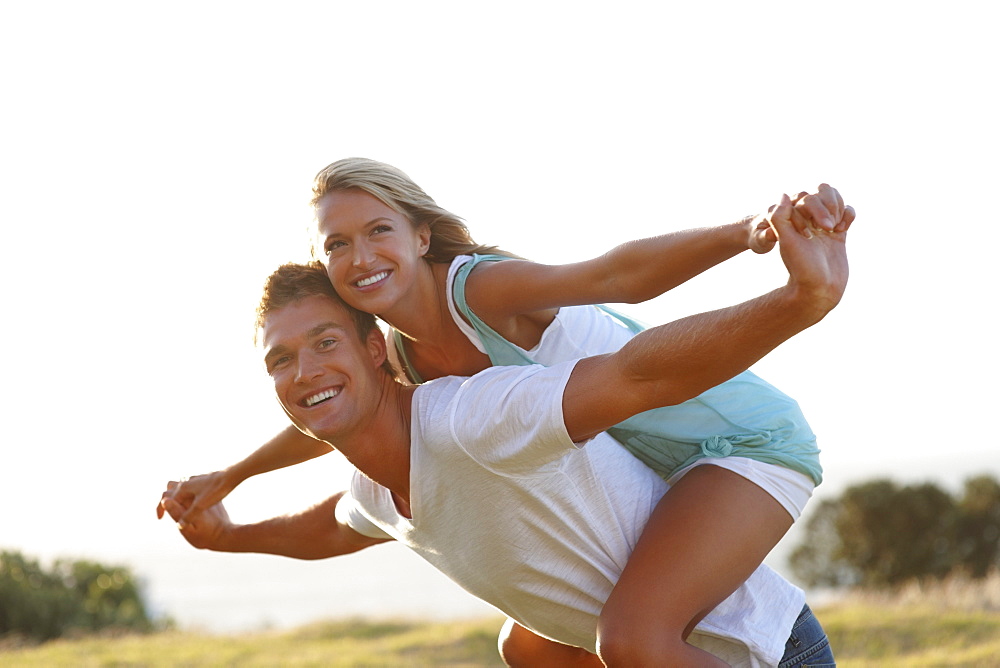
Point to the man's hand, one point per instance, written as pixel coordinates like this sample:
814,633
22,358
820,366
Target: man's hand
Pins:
816,258
204,529
822,211
197,493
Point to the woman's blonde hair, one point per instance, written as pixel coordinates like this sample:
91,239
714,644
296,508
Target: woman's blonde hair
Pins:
449,235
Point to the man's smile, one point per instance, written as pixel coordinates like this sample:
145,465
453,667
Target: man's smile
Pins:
320,397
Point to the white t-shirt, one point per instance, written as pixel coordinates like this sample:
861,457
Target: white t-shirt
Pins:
507,506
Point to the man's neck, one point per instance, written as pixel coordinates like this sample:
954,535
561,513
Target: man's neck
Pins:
379,446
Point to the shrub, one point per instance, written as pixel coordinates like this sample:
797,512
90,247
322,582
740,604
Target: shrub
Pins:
73,595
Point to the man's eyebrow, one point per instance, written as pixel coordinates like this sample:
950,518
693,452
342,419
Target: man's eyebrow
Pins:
323,326
275,352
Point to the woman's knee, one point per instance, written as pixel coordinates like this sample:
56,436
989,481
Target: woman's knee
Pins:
520,647
626,643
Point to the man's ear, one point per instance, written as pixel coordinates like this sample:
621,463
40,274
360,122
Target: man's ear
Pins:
375,345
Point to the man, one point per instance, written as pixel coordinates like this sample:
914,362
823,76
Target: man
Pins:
486,478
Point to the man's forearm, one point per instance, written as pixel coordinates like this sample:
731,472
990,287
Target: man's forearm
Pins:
311,534
672,363
682,359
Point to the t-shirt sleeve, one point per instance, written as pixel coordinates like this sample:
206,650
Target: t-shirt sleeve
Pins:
349,512
510,419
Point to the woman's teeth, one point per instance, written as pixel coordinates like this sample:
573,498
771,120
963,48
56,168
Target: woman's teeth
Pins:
372,279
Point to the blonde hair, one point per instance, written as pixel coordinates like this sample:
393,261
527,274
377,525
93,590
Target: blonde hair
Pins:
449,235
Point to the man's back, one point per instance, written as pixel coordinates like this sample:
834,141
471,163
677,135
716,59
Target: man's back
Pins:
507,506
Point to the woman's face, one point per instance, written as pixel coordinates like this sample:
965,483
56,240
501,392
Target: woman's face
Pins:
373,253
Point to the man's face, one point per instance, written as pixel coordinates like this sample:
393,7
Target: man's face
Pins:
324,376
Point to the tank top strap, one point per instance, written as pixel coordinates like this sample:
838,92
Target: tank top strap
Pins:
631,324
501,351
404,359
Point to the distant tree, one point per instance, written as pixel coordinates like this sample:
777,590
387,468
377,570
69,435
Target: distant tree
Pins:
978,530
33,602
73,595
879,533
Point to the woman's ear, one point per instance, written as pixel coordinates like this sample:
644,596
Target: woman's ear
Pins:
424,235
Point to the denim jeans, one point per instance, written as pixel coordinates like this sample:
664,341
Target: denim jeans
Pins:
808,646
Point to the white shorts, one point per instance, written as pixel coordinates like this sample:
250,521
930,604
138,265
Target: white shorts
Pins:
789,488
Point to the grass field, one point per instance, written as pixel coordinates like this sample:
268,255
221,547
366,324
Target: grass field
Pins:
951,624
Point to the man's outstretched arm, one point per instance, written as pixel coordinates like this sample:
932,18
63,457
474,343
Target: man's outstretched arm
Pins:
675,362
314,533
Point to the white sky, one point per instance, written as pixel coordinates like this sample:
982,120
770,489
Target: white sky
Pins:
155,164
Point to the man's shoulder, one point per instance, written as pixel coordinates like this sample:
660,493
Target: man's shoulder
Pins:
494,385
495,415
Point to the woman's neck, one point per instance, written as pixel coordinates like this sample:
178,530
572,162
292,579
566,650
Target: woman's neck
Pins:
422,313
434,344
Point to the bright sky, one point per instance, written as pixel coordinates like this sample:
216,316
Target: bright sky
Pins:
155,165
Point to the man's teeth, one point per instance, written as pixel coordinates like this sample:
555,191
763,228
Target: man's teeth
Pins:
372,279
322,396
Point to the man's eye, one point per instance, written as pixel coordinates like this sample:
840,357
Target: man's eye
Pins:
277,363
326,343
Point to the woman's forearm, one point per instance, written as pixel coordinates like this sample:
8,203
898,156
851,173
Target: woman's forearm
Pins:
646,268
287,448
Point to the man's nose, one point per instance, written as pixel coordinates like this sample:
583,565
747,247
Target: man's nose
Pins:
307,368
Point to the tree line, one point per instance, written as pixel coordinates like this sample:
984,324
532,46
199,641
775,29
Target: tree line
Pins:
879,534
70,597
875,534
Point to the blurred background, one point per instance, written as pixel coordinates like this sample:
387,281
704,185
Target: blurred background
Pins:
155,166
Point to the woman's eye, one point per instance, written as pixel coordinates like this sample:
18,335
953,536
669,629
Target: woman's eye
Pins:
381,228
333,246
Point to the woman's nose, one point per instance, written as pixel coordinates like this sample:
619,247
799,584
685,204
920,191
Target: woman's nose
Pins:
363,256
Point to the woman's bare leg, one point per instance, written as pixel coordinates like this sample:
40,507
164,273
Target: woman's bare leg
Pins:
708,533
521,648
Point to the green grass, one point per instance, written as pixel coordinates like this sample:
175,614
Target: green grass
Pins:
904,630
341,643
866,635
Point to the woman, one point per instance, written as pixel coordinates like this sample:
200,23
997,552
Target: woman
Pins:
740,451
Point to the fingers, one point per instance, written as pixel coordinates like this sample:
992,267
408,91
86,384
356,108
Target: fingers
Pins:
831,196
801,223
171,487
846,220
768,232
173,509
816,210
197,504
